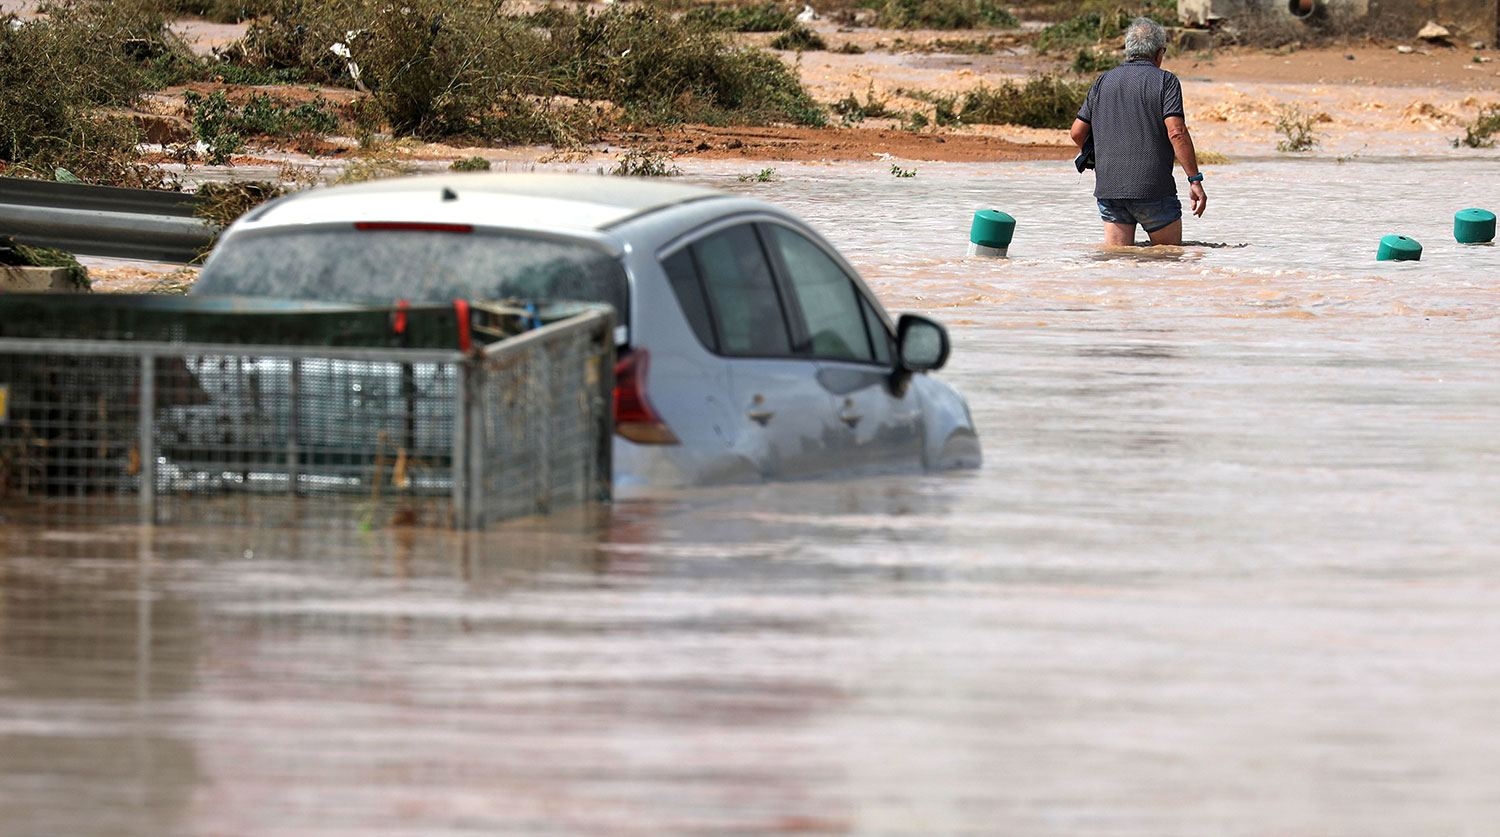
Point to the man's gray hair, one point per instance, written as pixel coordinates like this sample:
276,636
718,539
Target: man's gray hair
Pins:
1144,39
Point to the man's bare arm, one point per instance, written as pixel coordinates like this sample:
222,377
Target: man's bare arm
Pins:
1081,131
1182,146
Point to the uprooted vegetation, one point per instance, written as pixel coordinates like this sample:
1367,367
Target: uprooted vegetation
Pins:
1481,132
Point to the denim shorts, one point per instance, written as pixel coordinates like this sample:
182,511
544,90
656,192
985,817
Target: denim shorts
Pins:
1151,213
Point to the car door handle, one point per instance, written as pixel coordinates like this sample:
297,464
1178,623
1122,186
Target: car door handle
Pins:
760,415
847,414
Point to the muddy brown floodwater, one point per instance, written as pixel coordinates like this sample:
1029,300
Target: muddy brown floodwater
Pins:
1230,568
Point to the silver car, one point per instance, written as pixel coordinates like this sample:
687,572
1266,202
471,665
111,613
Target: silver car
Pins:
748,348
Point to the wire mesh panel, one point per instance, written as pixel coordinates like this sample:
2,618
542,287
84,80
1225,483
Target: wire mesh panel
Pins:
69,442
377,434
121,431
543,434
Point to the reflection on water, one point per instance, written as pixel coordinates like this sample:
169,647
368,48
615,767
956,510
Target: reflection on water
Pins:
1228,569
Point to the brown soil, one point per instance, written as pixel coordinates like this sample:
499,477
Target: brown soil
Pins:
811,144
1364,64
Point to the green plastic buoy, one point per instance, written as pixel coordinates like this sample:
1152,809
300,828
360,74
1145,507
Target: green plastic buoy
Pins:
1398,248
991,232
1474,226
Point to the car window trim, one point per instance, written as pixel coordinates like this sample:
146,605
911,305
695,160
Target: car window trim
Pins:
708,303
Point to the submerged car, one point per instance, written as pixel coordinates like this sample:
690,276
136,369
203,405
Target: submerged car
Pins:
747,347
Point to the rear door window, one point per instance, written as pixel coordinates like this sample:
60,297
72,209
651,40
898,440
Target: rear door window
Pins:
682,275
747,310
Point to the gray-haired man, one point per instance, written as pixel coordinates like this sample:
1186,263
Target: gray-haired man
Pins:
1134,116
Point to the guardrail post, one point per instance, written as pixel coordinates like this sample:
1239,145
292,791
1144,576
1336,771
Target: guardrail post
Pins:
543,407
604,413
294,421
459,456
474,424
146,439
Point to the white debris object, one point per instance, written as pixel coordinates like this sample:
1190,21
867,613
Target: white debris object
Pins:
1434,32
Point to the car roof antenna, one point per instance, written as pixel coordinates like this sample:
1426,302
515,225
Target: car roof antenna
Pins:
449,194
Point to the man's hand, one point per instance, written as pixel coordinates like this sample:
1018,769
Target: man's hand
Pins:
1200,199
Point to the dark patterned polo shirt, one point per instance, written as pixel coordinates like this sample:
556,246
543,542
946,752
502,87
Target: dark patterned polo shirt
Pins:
1126,109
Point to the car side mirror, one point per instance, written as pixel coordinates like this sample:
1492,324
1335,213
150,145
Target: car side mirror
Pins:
921,344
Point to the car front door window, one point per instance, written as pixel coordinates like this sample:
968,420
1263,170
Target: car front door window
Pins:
747,309
830,304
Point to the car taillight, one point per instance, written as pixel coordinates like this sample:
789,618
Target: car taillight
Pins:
634,418
411,226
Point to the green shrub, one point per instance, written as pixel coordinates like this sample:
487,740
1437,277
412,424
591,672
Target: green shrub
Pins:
639,163
664,71
944,108
766,17
1296,129
463,68
475,163
799,38
1100,20
963,46
225,72
214,125
1055,11
1091,62
1481,132
943,14
219,11
61,75
851,110
1045,101
224,126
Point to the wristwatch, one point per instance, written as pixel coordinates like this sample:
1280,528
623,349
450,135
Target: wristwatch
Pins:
1195,178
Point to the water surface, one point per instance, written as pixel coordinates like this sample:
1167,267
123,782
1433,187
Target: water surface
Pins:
1229,569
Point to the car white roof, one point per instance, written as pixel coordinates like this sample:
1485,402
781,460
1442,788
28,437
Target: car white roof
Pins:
533,201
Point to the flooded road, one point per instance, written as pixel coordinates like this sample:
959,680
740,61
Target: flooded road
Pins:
1230,568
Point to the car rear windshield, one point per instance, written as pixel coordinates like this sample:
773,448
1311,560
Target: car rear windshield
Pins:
379,266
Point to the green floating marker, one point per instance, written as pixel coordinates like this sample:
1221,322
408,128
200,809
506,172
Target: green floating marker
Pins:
991,232
1398,248
1474,226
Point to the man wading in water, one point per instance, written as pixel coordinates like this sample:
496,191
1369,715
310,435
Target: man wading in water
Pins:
1133,114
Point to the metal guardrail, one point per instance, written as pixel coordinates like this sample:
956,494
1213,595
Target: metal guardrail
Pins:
110,221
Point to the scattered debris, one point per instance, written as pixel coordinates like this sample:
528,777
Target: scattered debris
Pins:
1435,33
